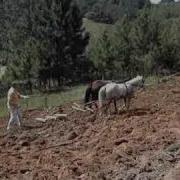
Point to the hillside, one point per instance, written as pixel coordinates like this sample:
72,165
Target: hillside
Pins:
142,143
95,29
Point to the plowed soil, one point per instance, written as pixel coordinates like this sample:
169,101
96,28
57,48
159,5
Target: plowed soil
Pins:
140,144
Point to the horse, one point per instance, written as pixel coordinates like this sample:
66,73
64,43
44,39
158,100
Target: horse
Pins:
114,91
91,92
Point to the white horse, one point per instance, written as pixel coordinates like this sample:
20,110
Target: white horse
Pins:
113,92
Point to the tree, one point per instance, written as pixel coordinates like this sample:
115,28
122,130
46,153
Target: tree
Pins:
25,64
145,40
110,11
167,1
123,47
55,27
169,45
102,56
64,40
85,5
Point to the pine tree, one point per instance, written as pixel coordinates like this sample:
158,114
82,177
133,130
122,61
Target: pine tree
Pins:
64,39
55,28
102,54
145,39
167,1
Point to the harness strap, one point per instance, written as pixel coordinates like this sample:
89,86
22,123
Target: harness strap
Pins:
105,91
126,89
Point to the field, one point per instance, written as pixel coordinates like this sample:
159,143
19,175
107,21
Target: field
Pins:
139,144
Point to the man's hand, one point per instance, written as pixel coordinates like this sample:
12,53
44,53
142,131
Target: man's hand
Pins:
25,97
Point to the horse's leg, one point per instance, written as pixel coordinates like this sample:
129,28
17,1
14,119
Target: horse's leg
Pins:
125,102
101,108
128,103
115,106
96,105
108,106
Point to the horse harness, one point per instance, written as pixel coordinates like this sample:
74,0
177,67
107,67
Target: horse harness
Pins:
126,89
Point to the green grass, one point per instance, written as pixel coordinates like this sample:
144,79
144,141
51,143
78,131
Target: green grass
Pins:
96,29
2,71
152,80
47,100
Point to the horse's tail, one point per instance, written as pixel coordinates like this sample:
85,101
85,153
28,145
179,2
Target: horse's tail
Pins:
102,96
87,95
90,84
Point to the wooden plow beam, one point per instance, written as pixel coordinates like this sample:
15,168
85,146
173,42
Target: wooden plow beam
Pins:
77,107
50,118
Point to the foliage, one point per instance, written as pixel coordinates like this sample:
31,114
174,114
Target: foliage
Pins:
148,44
109,11
102,56
45,40
86,5
167,1
59,29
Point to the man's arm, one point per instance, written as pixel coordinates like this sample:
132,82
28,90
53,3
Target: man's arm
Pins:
22,96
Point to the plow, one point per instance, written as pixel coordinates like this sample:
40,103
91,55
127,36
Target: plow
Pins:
78,107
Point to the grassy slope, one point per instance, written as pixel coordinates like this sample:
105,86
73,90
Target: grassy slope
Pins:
96,29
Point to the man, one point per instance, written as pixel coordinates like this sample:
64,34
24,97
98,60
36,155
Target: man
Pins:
13,99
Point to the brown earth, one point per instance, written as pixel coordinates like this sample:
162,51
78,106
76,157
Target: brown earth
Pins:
140,144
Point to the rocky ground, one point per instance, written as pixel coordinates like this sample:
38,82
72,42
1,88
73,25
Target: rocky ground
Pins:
140,144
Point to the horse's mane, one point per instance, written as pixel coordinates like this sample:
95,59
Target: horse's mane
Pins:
121,81
99,83
135,80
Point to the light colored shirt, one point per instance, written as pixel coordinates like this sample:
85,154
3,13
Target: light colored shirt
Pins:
13,97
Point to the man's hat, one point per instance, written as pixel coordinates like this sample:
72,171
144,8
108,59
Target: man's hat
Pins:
14,83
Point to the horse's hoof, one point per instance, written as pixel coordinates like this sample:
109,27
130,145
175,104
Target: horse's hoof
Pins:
108,117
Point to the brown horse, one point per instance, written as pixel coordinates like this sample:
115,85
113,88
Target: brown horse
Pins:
91,93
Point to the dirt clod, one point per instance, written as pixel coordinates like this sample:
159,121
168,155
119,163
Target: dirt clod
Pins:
72,136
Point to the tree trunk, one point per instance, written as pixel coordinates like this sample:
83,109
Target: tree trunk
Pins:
30,86
102,75
59,82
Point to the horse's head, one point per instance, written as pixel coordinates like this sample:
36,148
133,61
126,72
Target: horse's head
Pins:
141,81
138,81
